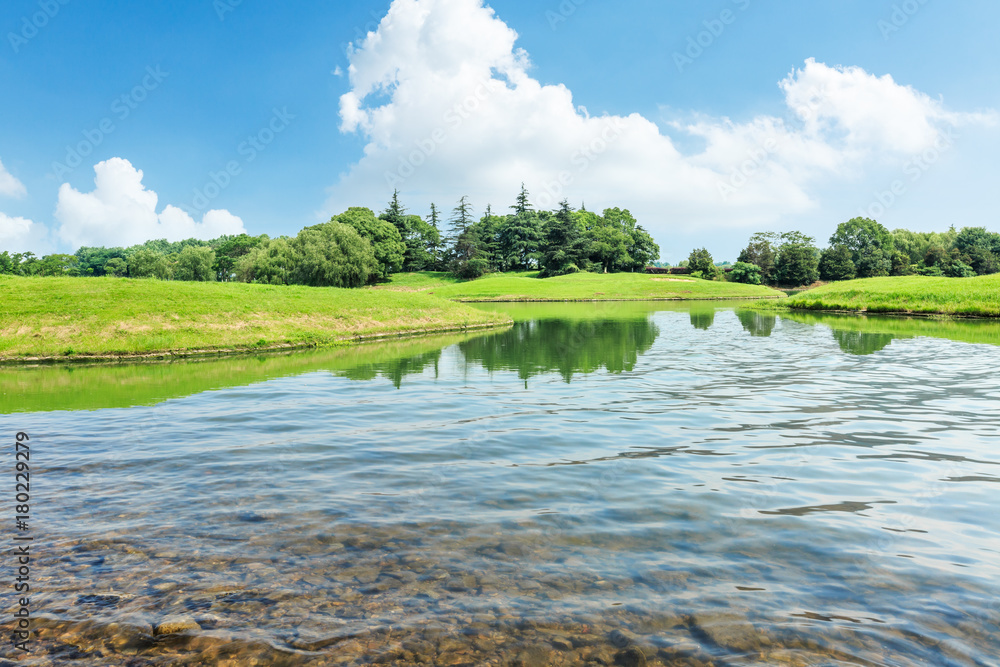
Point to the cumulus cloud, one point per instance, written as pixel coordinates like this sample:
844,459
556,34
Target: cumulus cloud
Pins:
21,234
122,212
444,99
9,185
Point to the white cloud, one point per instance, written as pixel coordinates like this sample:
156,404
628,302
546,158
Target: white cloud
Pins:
19,234
444,99
9,185
122,212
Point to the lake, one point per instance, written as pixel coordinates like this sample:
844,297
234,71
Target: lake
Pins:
619,483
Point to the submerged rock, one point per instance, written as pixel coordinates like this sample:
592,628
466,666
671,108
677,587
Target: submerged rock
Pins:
174,624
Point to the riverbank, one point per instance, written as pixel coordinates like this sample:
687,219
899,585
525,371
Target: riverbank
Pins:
44,319
912,295
526,286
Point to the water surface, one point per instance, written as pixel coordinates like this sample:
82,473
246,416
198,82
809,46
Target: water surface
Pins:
600,483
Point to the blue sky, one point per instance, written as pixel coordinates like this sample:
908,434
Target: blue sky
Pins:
227,70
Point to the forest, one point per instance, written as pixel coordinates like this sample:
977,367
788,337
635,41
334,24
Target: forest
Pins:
357,248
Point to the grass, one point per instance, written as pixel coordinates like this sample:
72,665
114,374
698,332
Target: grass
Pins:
97,386
965,297
984,332
527,286
74,317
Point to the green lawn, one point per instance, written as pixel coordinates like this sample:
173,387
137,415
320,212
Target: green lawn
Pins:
909,294
69,317
575,287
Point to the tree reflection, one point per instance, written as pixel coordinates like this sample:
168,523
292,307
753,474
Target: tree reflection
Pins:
563,346
702,318
856,342
759,325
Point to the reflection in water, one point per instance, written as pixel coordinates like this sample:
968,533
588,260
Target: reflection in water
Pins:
702,318
759,325
563,346
860,343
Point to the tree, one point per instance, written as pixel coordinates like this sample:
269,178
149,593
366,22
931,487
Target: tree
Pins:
54,265
91,261
272,262
144,263
979,249
870,243
195,263
519,238
521,205
748,274
461,217
333,254
566,249
384,238
437,249
701,260
761,251
116,266
836,264
9,264
228,250
797,262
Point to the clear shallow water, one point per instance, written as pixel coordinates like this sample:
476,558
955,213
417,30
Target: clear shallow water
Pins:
619,483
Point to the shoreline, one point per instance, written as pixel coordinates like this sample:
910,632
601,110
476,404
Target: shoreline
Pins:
195,353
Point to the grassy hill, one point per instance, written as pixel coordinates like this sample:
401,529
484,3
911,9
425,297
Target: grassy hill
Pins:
575,287
908,294
69,317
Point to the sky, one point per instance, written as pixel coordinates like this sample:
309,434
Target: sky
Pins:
709,120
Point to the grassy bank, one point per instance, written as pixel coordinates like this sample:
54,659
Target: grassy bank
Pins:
979,297
575,287
72,317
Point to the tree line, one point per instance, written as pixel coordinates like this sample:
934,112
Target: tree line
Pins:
357,248
859,248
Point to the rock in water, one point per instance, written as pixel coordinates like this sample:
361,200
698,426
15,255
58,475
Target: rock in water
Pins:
172,624
630,657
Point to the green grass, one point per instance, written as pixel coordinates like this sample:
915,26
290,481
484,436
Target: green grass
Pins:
576,287
984,332
978,297
70,317
97,386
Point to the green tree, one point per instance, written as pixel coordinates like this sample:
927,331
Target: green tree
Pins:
332,254
9,264
116,266
870,243
700,260
519,238
979,248
384,238
91,261
437,249
746,273
566,249
229,250
836,263
272,262
521,205
761,251
145,263
797,262
55,265
195,263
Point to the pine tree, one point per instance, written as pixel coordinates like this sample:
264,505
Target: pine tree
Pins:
522,205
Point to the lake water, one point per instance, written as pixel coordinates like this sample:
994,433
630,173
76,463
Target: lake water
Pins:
600,484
